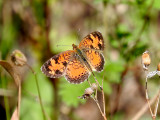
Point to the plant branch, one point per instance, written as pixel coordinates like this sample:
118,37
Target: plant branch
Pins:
144,109
104,111
103,115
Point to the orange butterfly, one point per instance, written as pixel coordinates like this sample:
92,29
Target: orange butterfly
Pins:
76,65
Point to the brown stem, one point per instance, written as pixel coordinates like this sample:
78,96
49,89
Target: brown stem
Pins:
19,99
103,115
104,111
156,104
95,99
144,109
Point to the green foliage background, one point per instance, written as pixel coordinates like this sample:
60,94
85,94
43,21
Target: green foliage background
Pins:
36,27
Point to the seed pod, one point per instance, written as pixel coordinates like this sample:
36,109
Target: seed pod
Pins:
94,86
146,60
18,58
88,92
158,69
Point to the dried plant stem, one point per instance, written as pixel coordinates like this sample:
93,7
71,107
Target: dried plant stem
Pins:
103,115
6,103
155,108
89,82
145,108
39,95
96,95
19,99
148,102
104,110
95,98
153,114
156,105
104,106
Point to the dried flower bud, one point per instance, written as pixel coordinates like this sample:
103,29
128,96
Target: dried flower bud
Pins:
18,58
84,96
88,91
94,86
146,60
158,69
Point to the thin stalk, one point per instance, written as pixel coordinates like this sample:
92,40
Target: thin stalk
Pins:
6,103
103,115
97,81
89,82
156,105
95,99
39,95
103,98
19,99
144,109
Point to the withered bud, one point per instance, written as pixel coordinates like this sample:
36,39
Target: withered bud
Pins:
18,58
158,69
146,60
88,91
94,86
85,96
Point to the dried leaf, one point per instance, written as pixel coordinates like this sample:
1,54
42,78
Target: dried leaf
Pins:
10,69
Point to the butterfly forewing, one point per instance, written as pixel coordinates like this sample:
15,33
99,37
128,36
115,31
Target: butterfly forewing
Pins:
92,41
55,66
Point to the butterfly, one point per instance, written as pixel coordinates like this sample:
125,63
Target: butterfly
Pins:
76,65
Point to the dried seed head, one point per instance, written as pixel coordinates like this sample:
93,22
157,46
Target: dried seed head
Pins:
18,58
94,86
88,91
146,60
84,96
158,69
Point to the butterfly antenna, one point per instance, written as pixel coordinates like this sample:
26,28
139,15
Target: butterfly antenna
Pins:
62,45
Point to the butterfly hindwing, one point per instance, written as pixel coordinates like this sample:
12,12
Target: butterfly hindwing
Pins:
95,59
76,72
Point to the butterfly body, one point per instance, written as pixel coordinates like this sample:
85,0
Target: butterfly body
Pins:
76,65
82,56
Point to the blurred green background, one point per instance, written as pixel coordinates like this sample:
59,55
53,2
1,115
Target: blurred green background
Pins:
40,28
